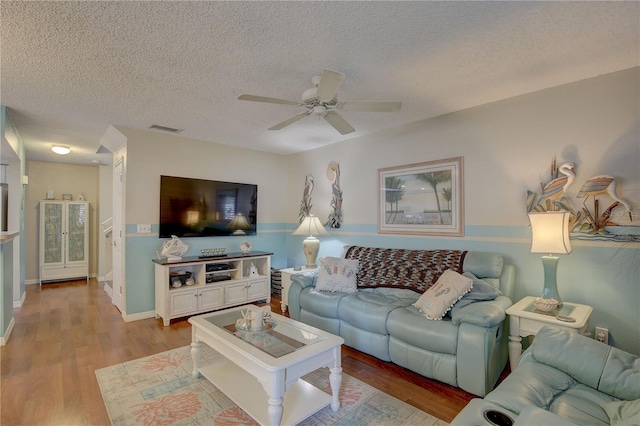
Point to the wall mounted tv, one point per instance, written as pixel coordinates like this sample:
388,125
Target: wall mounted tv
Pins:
207,208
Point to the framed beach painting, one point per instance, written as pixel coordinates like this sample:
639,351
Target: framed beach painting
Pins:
422,198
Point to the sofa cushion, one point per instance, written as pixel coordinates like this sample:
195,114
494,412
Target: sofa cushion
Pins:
532,383
439,299
410,326
368,310
336,274
621,375
320,302
582,405
623,412
483,264
607,369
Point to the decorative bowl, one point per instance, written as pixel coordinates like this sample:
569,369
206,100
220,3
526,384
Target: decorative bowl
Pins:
545,305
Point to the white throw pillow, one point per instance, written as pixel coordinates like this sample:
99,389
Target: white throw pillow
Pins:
337,275
440,297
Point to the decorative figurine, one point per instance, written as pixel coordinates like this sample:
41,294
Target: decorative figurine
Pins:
253,271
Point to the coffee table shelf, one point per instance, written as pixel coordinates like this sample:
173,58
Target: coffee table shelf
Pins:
300,401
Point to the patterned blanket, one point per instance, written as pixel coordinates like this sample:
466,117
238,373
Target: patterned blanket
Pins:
415,270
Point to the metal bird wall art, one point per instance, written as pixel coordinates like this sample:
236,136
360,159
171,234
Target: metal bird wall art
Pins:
335,217
553,197
305,204
599,185
558,186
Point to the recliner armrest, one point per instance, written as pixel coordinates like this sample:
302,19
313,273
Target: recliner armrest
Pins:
299,282
483,314
305,279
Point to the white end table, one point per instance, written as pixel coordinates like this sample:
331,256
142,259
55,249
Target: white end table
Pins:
525,320
286,283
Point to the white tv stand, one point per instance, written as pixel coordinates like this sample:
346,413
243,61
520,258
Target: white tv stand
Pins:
214,288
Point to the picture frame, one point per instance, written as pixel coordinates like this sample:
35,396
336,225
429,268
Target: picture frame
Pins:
67,197
422,198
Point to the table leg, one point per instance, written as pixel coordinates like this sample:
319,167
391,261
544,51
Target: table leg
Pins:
515,350
335,378
283,307
196,351
275,411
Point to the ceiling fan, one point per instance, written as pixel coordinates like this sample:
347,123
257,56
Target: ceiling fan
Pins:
321,99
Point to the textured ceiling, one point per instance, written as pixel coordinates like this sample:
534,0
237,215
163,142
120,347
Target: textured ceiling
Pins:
70,69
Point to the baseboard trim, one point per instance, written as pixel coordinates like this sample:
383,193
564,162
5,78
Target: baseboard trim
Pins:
108,290
138,316
19,303
5,338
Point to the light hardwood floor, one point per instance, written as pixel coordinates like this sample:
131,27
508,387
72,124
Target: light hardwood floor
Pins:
65,331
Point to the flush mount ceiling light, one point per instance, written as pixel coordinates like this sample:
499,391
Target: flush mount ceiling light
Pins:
59,149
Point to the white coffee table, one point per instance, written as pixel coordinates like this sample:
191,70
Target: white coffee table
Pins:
262,370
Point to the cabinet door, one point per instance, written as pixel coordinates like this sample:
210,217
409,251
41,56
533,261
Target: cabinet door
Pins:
52,233
210,298
77,219
257,289
237,293
183,302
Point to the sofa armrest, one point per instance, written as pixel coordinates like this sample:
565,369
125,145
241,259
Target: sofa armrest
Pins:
299,282
483,314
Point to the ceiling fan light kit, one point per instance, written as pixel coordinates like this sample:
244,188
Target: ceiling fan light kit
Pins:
322,99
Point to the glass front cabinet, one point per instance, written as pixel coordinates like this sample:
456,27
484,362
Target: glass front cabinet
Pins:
64,240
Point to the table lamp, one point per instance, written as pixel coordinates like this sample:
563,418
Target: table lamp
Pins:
550,234
239,224
311,245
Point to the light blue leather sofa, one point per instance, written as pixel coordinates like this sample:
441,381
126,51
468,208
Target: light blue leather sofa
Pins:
467,350
565,379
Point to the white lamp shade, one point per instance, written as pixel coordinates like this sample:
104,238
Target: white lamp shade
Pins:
310,226
550,232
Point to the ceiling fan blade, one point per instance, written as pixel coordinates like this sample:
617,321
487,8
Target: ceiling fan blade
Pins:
290,120
255,98
338,123
371,106
330,83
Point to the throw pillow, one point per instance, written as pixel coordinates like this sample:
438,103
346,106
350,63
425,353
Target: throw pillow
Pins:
623,412
439,298
337,275
480,291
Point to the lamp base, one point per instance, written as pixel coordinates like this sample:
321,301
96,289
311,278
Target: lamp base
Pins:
311,247
550,289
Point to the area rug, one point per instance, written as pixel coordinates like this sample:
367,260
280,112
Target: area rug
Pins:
159,390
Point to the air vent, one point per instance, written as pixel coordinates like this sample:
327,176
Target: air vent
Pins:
165,129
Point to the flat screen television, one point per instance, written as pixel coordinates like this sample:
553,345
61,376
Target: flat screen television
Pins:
207,208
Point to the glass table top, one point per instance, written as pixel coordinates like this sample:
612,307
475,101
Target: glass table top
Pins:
278,339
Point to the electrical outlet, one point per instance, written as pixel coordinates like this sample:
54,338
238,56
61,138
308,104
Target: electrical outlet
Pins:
144,228
602,335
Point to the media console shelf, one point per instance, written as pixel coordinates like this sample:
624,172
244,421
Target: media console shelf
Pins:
219,282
